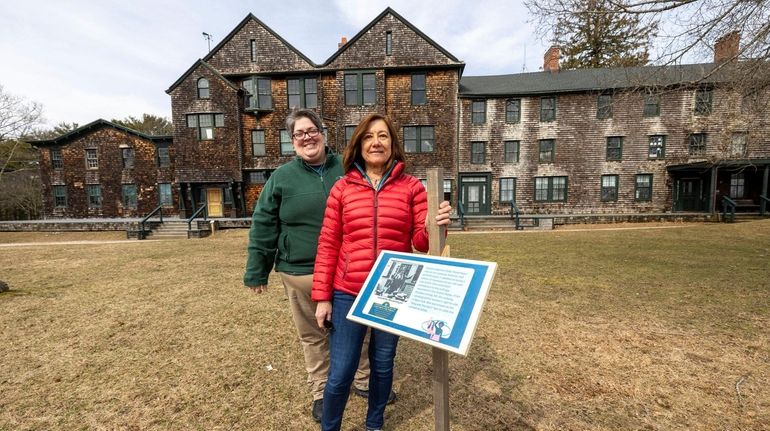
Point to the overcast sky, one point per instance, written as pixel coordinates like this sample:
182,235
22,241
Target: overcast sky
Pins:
84,60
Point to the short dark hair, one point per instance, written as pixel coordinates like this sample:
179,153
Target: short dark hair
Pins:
352,152
303,113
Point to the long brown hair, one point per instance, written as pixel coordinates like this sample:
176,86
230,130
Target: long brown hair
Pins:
353,152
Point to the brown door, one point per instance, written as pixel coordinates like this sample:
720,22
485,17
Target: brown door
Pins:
214,202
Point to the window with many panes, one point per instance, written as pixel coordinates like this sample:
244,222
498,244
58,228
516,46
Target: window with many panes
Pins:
127,154
205,124
479,111
287,148
94,195
92,158
547,109
259,93
478,152
604,106
129,196
657,147
253,49
360,88
447,190
703,99
696,145
550,189
547,151
737,185
419,96
164,157
507,189
303,92
609,188
258,177
738,144
511,151
56,160
651,105
418,139
614,147
513,111
258,143
203,88
164,194
60,196
643,187
388,43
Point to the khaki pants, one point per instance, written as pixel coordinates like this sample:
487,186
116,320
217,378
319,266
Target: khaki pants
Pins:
315,345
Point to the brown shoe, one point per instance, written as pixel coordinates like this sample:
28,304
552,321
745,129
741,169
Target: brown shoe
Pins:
318,409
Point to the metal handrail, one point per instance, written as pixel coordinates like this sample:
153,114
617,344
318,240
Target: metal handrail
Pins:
763,201
515,215
159,209
195,214
730,204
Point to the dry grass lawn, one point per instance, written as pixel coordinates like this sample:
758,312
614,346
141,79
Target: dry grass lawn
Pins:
659,329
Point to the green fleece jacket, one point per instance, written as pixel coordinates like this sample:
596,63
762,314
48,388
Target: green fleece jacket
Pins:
287,219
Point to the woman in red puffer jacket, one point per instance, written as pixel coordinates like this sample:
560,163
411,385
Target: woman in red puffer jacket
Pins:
374,207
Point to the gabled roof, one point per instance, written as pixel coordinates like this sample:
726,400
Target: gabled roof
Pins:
192,69
238,28
379,17
580,80
80,131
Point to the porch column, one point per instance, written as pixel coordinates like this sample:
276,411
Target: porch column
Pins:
713,189
762,203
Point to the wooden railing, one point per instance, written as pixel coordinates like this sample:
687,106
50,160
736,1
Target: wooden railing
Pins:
728,205
763,203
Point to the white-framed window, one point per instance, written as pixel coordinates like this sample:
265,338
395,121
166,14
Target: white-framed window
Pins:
92,158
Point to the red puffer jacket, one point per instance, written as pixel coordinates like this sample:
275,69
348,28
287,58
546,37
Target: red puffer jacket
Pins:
359,222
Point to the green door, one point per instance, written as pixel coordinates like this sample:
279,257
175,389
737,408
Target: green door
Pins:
474,192
690,196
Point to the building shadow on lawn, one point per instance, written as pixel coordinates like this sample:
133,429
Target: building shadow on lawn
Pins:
481,389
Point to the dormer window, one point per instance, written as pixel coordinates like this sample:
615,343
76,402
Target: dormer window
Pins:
203,88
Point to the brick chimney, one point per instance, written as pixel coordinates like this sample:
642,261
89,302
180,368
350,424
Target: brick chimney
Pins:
551,59
342,43
726,47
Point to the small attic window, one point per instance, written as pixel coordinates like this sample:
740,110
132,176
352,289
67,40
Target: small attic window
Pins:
388,43
253,49
203,88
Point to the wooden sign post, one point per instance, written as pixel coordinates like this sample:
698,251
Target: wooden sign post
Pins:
437,241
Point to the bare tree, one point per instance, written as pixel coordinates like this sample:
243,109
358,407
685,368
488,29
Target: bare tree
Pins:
18,118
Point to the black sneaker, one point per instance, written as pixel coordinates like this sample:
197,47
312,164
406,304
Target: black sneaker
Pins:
365,394
318,409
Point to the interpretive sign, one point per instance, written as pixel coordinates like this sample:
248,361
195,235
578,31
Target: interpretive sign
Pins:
435,300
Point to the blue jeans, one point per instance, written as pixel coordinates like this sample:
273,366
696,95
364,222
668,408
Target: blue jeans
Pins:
345,342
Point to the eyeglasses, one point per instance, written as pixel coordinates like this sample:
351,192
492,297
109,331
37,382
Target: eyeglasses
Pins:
301,135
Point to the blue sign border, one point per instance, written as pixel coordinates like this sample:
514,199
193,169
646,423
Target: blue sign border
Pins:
472,296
